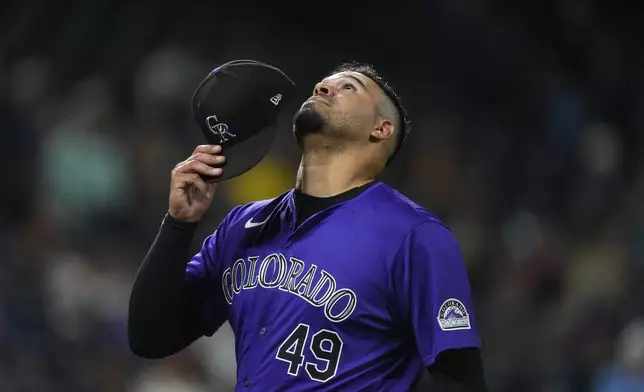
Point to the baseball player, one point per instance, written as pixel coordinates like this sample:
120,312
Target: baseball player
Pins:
340,284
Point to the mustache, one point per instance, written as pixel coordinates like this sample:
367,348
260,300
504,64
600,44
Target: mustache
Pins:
319,98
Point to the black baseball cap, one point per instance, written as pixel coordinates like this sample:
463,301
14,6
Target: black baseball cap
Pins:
236,106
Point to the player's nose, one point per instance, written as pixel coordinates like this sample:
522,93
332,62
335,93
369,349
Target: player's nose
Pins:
323,89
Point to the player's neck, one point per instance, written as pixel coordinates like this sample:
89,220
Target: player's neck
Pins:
324,175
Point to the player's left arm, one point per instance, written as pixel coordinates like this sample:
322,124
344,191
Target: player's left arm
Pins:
433,302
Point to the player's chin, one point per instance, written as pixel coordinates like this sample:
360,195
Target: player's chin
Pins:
309,119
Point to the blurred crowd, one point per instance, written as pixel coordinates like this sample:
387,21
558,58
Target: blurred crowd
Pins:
527,141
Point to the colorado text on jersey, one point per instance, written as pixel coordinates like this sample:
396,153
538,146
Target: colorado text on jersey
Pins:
338,304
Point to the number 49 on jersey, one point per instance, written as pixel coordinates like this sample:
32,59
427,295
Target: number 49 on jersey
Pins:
326,347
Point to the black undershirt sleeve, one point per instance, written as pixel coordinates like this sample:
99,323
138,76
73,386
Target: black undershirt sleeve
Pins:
458,370
160,322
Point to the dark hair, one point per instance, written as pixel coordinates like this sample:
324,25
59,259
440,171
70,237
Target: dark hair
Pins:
369,71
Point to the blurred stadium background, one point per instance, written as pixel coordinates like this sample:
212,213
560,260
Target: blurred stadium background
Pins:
528,132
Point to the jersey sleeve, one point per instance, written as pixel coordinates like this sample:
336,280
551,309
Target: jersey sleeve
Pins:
203,282
431,296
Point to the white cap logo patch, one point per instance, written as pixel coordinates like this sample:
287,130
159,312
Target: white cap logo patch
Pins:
276,99
452,316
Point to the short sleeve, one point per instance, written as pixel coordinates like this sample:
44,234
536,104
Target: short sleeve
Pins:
431,296
203,282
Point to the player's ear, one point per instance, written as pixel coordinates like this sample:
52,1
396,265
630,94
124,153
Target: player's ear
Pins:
383,129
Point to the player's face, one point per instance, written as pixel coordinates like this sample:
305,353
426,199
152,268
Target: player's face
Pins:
343,106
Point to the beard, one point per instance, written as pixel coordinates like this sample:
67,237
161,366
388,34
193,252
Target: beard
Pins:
307,121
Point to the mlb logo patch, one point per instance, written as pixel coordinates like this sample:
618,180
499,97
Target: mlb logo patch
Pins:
453,315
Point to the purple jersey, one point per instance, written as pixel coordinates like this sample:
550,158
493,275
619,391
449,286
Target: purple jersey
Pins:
362,296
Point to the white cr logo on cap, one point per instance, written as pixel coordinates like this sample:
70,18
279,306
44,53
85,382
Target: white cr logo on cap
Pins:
219,129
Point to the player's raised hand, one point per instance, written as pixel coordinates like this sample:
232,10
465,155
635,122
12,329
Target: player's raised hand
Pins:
190,195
